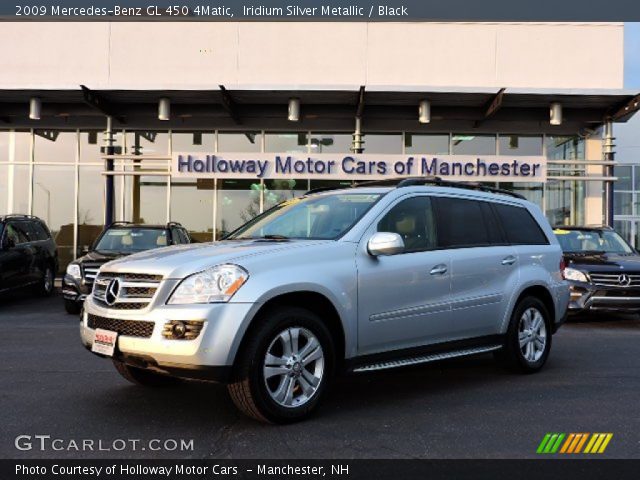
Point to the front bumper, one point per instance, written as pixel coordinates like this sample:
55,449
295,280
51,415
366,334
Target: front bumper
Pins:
587,297
210,356
74,289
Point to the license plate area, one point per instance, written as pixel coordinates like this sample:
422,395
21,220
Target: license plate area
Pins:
104,342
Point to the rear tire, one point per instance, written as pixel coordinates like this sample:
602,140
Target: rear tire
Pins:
285,368
72,307
45,286
528,339
143,377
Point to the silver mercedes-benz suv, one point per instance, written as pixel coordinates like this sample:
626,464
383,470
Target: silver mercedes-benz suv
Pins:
350,280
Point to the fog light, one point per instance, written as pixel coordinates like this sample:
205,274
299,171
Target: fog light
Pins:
182,330
178,330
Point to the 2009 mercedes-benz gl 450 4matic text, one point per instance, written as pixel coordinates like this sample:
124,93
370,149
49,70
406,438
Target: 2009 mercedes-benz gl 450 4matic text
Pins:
356,280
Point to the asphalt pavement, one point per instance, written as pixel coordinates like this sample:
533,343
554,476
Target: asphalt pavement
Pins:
465,408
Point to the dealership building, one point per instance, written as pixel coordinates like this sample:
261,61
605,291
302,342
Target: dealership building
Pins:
208,124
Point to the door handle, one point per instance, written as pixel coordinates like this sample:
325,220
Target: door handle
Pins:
510,260
438,270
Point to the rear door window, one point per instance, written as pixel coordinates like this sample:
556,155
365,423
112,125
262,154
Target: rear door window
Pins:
463,223
519,226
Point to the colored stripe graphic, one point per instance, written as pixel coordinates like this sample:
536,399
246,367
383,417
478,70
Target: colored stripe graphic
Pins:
573,443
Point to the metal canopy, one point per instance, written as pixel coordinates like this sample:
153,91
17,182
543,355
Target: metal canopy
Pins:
520,111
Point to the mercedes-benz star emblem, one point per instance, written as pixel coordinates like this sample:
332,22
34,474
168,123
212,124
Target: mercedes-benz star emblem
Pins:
624,280
112,291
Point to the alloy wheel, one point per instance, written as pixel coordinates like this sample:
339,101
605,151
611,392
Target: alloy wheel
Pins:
532,334
293,367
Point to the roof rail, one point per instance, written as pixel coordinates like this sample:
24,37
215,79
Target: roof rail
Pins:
120,222
19,215
417,181
414,181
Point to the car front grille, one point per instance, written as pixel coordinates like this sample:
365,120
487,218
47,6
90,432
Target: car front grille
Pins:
129,328
616,279
90,271
135,290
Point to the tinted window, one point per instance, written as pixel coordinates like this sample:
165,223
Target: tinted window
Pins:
519,226
177,236
461,223
129,240
413,220
37,231
17,233
606,241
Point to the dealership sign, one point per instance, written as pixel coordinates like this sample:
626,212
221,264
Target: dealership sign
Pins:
491,168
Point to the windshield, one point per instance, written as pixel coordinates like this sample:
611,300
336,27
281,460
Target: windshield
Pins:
316,217
131,240
606,241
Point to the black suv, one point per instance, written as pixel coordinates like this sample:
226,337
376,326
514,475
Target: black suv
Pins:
117,240
602,269
28,255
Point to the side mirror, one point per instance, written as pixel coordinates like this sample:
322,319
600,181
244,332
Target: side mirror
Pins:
385,243
85,249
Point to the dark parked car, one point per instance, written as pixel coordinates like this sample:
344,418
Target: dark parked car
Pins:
603,270
28,255
117,240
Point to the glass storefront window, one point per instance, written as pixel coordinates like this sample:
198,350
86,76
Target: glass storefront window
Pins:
530,191
238,201
18,175
4,146
147,143
239,142
624,175
623,203
520,145
276,191
330,142
19,146
90,206
471,144
426,144
564,148
382,143
54,203
285,142
192,199
4,188
55,146
90,146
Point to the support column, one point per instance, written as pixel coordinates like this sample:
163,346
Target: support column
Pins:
357,143
109,190
609,156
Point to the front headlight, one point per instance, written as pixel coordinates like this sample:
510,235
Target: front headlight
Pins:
575,275
217,284
73,269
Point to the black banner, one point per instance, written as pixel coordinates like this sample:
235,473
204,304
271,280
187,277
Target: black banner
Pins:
320,10
547,469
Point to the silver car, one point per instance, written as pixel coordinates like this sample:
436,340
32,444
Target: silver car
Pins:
355,280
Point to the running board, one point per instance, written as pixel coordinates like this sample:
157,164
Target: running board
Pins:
425,358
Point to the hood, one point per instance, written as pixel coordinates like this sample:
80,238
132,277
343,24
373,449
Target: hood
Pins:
180,261
98,257
603,262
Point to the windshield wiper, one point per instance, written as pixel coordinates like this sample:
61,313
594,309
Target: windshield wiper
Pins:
272,237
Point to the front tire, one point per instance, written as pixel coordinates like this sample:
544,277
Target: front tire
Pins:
528,339
139,376
286,367
72,307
